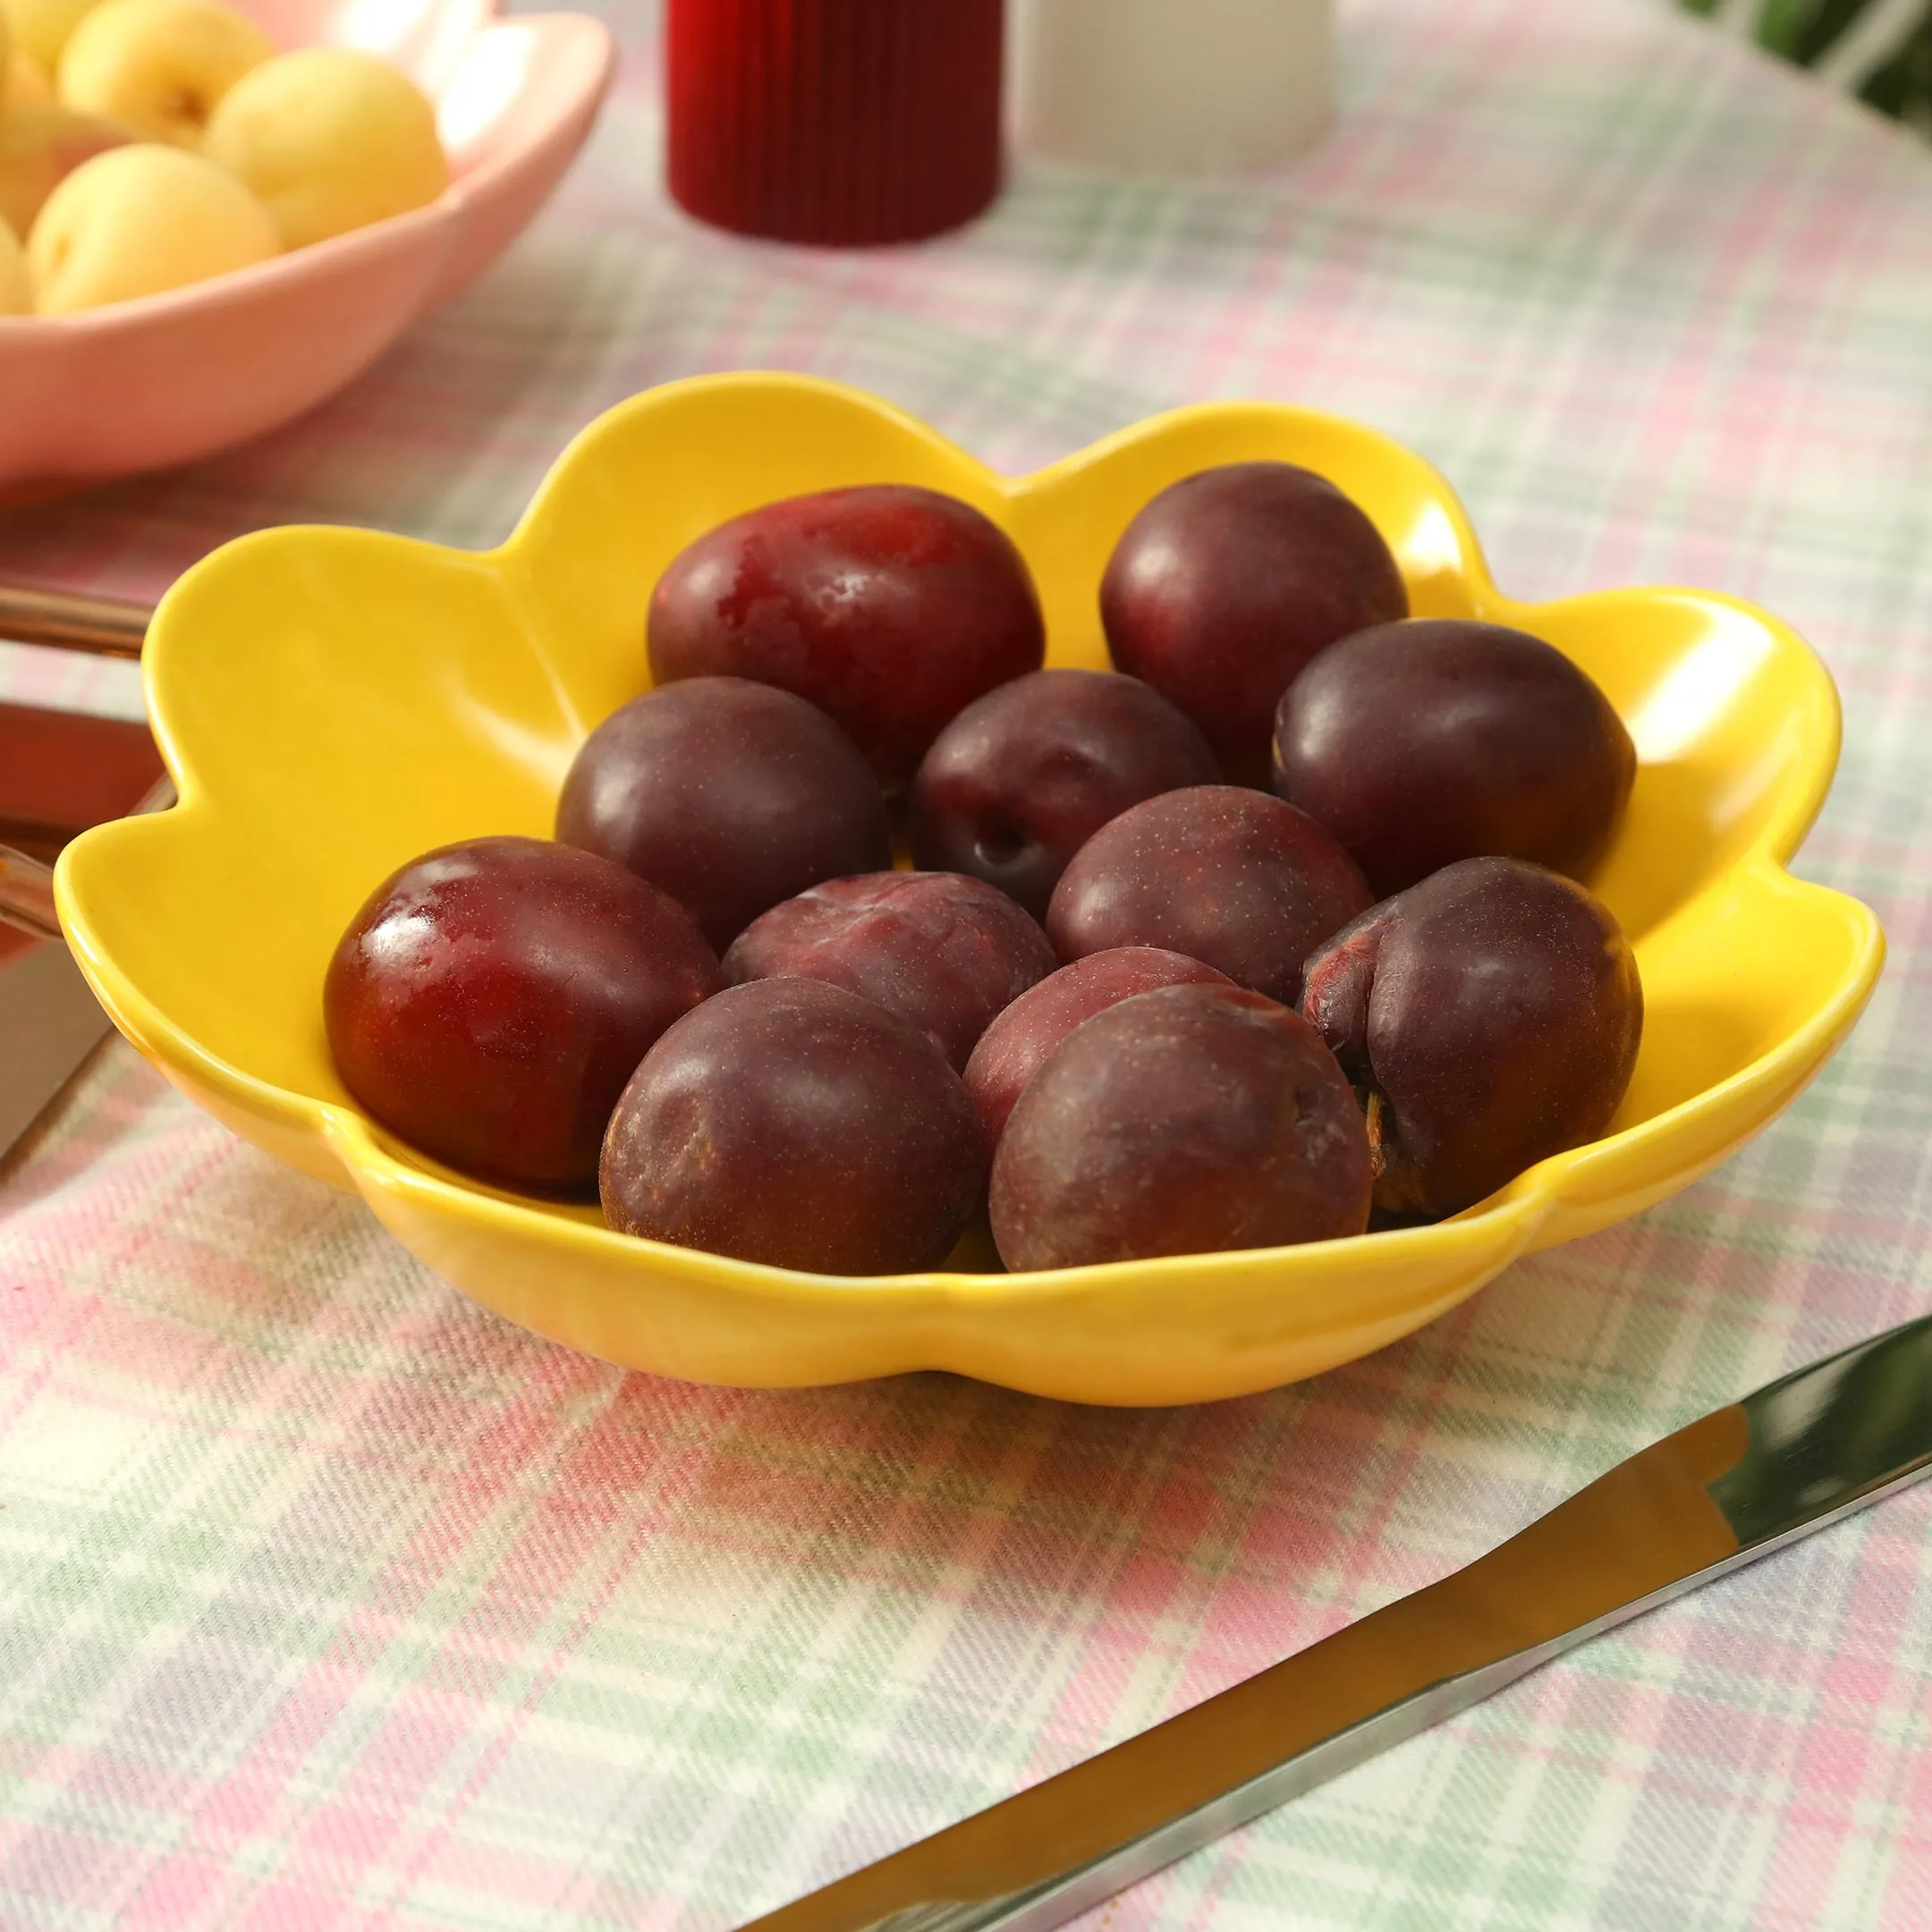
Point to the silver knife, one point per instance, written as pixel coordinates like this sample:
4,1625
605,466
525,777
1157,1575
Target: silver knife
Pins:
1730,1487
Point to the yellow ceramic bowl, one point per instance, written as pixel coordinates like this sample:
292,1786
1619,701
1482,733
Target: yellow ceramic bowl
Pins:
333,702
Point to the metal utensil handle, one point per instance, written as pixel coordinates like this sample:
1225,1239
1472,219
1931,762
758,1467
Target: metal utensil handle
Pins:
105,627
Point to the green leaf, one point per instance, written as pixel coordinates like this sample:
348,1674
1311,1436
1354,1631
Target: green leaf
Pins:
1784,24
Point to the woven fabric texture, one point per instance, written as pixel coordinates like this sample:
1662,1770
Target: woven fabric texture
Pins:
327,1600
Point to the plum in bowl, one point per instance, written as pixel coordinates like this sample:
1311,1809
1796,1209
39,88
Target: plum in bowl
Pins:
457,688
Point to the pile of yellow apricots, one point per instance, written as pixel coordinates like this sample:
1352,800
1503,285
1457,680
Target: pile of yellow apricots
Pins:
146,144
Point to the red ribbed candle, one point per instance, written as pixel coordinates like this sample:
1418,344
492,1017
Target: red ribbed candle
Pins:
839,122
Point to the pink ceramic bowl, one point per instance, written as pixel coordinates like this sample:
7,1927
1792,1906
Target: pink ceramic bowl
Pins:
145,383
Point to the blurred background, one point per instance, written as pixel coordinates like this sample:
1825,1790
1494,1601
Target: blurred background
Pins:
1879,50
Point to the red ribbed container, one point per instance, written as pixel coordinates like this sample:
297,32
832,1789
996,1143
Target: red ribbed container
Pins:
839,122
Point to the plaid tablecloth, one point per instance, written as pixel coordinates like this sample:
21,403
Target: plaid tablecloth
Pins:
328,1600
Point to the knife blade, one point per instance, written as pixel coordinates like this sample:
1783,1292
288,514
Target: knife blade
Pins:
1800,1452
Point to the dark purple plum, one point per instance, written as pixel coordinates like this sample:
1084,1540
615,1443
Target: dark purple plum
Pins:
491,999
730,795
1232,579
946,951
1022,778
1186,1121
1420,743
1489,1016
1235,878
889,607
795,1124
1016,1046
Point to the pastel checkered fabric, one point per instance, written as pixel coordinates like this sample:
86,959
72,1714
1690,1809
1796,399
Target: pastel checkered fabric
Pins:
327,1600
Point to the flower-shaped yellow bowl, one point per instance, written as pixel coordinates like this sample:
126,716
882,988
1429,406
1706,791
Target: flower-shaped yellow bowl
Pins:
333,702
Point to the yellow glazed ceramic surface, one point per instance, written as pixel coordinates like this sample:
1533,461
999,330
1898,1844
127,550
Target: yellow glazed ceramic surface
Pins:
334,702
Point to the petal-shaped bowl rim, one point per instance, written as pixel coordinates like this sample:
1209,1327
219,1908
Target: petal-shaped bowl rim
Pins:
1181,1328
